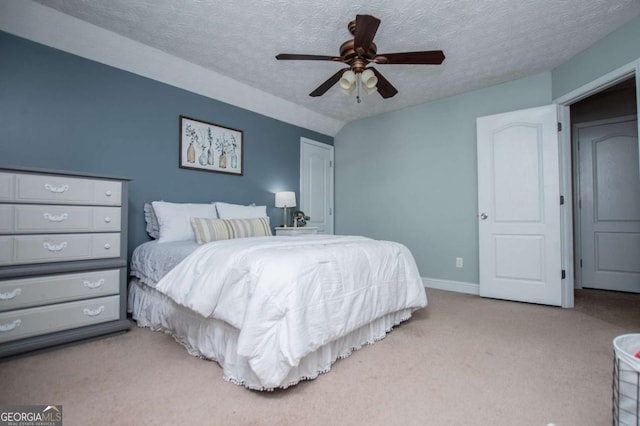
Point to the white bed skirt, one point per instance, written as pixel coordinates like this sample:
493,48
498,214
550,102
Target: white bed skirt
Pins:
216,340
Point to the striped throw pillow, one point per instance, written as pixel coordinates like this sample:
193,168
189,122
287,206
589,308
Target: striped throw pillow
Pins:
207,229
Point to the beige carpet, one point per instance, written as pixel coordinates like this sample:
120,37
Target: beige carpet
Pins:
463,360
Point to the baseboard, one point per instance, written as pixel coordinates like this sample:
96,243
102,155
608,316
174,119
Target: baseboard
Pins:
457,286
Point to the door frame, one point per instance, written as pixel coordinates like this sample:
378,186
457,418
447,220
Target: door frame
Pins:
331,149
566,179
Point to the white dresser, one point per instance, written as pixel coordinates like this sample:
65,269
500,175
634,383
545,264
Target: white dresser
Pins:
63,258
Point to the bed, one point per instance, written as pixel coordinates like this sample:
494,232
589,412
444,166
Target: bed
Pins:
273,311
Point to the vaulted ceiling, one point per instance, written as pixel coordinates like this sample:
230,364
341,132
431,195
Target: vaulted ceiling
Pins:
485,42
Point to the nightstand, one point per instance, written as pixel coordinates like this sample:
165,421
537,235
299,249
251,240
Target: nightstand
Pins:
291,231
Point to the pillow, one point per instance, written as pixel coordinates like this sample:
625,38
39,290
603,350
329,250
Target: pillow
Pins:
153,228
173,219
207,230
238,211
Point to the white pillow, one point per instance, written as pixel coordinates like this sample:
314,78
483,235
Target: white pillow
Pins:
174,219
238,211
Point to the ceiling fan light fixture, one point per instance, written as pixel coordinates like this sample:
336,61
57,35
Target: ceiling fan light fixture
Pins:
348,91
347,81
369,80
370,90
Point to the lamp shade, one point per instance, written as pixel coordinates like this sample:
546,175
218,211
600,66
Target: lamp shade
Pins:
349,90
369,79
286,199
370,90
347,79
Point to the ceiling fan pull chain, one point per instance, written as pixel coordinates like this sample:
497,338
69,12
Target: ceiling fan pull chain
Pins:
358,87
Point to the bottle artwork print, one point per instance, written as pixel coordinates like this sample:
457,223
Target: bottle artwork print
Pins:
234,159
203,157
191,153
210,153
211,147
227,149
191,133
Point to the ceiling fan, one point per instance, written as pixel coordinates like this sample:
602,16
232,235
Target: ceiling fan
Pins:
359,53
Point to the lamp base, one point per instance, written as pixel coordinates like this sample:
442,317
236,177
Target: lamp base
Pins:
284,218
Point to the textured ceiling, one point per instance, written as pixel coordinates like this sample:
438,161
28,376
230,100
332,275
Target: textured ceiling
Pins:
486,42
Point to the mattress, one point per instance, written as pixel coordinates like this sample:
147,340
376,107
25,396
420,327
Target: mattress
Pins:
151,261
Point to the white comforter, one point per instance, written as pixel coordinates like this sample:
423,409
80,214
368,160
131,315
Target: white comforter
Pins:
290,295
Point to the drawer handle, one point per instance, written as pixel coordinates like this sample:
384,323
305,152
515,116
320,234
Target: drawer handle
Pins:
107,246
94,284
55,247
93,313
56,189
108,193
107,219
11,295
56,218
10,326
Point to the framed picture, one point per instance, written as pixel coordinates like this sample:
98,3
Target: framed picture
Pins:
210,147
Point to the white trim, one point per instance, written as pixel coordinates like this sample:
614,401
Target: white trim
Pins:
610,79
55,29
566,211
564,139
318,144
456,286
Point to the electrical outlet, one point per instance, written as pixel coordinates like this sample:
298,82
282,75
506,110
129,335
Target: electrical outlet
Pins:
459,262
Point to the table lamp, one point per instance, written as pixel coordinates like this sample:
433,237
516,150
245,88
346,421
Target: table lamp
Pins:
285,200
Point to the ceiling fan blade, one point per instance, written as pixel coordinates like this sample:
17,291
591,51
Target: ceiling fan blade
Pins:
366,28
297,57
322,89
428,57
385,88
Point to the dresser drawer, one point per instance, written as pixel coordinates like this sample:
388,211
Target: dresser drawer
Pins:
21,249
35,218
27,292
32,188
29,322
7,186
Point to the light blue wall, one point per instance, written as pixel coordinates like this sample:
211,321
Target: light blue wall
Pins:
617,49
60,111
410,175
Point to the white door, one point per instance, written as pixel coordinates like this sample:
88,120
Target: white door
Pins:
609,205
316,184
519,206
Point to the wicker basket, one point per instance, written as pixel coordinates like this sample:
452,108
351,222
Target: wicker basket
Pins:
626,380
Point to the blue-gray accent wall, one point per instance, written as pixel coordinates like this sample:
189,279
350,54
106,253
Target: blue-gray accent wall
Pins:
61,111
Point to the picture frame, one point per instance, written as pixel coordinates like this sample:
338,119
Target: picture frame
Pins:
210,147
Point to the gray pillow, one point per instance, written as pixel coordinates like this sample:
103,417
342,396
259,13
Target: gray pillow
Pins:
153,228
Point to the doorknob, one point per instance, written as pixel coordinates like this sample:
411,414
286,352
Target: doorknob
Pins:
483,216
